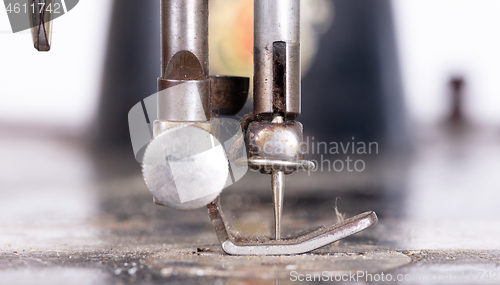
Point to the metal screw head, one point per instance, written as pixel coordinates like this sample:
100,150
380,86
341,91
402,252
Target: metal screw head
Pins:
185,168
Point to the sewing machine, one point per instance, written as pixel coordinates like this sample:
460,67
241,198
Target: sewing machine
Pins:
188,163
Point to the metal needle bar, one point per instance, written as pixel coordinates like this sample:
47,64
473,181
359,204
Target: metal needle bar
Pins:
278,185
276,58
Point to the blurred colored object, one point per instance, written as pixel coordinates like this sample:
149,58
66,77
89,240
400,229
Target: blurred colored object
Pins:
231,34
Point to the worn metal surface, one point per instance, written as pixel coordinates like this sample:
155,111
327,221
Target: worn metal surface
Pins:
184,26
184,86
235,244
275,140
228,94
184,166
277,58
184,65
184,100
276,98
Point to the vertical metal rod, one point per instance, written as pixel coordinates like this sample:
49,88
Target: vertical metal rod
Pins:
276,21
278,185
184,87
184,26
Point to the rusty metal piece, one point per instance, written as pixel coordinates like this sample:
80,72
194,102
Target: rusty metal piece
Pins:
228,94
246,120
279,78
41,23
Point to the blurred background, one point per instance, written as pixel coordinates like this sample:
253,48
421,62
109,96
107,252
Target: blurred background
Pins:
419,77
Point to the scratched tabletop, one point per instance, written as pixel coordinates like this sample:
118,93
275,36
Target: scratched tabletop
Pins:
73,214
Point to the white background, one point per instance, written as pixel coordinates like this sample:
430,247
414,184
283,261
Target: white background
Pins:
59,88
442,38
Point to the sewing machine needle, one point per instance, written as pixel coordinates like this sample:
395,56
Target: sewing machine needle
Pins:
278,185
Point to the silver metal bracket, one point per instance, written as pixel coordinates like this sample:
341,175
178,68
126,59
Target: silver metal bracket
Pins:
237,244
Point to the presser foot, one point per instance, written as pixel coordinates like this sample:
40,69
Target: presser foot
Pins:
234,243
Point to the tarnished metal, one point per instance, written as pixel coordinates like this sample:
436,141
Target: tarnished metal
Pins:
184,65
186,167
277,58
184,88
275,140
228,94
184,26
183,100
235,244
